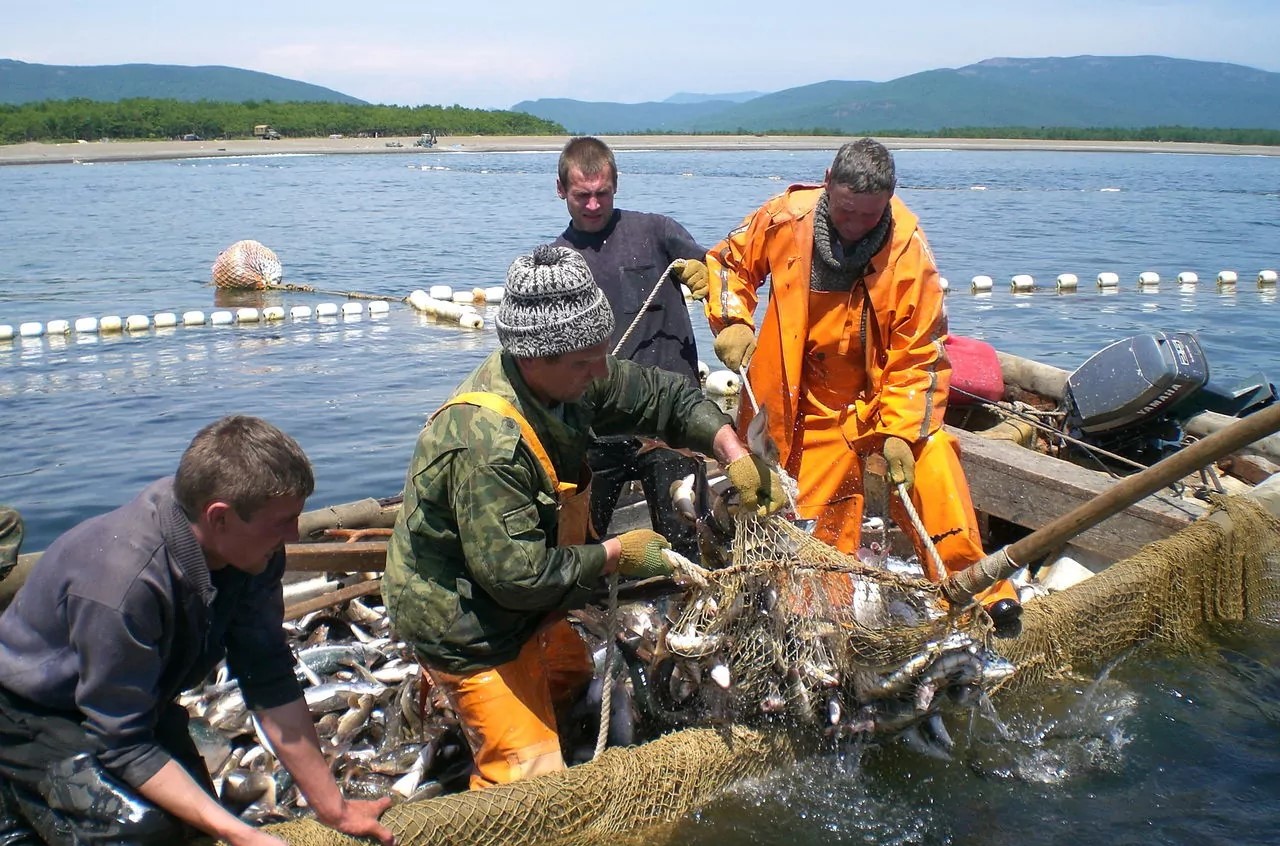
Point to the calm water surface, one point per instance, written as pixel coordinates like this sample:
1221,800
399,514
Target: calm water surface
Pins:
1172,749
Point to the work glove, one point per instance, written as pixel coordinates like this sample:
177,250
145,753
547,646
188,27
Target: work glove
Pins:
902,463
759,485
641,555
735,345
693,274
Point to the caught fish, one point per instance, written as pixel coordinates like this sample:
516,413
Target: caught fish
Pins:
759,441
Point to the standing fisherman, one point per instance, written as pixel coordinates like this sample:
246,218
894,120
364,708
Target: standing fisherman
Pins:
850,358
491,545
628,253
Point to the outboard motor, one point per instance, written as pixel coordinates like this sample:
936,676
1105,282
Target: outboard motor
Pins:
1123,398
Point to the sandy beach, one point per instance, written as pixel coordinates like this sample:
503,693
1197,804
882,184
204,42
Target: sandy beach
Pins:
107,151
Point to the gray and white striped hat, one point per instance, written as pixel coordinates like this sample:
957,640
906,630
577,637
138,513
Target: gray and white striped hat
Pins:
552,305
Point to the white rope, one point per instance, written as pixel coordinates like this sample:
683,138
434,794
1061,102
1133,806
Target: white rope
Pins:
927,541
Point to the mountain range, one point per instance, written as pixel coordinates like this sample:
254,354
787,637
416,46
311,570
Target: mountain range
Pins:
1077,91
22,82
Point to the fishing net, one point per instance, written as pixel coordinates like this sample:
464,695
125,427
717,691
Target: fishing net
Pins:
247,264
797,625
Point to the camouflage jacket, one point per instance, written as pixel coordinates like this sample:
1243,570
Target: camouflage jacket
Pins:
473,567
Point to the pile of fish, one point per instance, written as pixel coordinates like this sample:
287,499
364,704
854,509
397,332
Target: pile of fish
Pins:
380,736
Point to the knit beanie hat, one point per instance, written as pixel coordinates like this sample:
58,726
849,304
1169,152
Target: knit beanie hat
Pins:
552,305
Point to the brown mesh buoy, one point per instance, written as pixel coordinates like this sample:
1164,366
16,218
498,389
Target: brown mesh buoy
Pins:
247,264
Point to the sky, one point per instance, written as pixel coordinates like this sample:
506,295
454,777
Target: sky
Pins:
495,53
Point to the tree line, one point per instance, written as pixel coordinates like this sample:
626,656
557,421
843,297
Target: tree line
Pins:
1184,134
145,118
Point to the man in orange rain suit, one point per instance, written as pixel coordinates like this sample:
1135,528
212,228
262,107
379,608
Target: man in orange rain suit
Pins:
849,359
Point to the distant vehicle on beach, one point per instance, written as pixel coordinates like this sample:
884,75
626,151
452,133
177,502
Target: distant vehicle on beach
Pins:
265,132
428,139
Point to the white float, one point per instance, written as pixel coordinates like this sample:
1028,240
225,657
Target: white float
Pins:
1022,282
1148,277
494,294
352,309
165,320
471,320
440,292
31,329
109,323
327,310
86,325
942,283
981,283
193,318
703,370
1228,277
1188,277
1068,281
57,327
300,312
723,383
273,313
137,323
248,315
6,332
1266,278
1107,279
379,307
222,318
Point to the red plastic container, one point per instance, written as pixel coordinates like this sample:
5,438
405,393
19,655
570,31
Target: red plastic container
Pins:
975,371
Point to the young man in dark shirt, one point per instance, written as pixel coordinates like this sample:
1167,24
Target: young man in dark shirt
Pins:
125,611
628,253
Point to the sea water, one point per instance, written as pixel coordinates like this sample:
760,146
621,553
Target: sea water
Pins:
1175,750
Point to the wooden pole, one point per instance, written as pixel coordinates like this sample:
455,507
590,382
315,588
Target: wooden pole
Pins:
961,587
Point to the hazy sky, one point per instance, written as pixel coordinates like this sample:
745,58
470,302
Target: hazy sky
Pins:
494,53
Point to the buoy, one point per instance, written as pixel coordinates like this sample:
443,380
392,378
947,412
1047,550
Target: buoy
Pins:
165,320
193,318
222,318
57,327
326,310
471,320
1227,277
1266,278
723,383
1188,277
703,370
379,307
109,323
86,325
1068,281
944,284
1148,277
300,312
6,332
248,315
352,309
981,283
440,292
478,295
1022,282
494,294
137,323
31,329
418,300
1107,279
273,313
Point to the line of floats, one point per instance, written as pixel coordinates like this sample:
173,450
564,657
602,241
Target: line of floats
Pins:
460,307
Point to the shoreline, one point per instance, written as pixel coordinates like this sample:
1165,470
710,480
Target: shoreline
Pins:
125,151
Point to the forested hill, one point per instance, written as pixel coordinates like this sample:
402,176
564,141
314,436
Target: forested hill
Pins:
21,82
1079,91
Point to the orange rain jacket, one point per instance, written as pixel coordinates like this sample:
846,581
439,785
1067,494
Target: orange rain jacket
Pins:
907,374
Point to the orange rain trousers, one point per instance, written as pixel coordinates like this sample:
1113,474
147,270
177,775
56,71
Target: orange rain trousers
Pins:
508,712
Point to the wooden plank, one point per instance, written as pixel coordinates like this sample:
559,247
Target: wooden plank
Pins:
1031,489
358,557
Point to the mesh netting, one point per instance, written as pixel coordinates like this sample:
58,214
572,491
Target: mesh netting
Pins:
247,264
833,626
